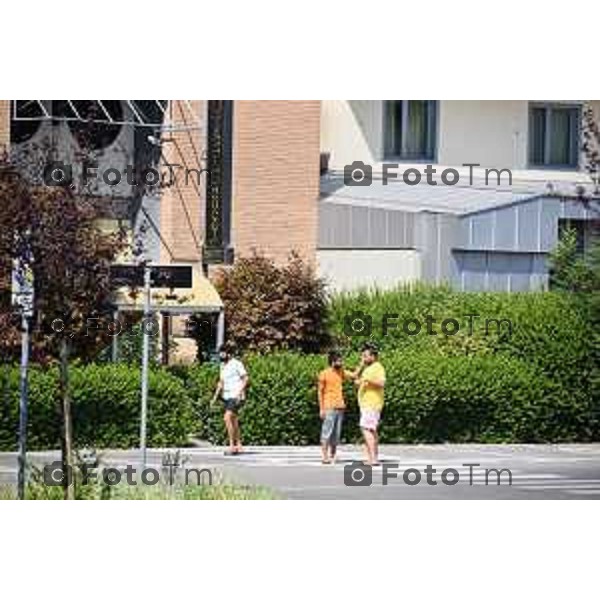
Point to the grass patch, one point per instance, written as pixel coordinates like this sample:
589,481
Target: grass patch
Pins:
39,491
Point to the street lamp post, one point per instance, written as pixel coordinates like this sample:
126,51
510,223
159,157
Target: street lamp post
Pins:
22,297
22,460
145,362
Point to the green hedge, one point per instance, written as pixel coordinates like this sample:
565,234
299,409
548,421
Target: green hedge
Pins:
429,398
483,398
106,408
549,330
540,384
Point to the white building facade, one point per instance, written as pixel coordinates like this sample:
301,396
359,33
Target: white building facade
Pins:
497,180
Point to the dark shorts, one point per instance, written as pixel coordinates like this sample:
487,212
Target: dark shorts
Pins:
331,429
231,404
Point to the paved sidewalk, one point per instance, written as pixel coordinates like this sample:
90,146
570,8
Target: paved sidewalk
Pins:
538,472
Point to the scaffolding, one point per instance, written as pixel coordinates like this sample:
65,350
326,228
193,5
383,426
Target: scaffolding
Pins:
154,114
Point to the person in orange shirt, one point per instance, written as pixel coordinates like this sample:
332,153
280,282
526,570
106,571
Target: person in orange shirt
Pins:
331,405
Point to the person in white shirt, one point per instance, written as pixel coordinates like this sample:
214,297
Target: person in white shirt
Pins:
232,385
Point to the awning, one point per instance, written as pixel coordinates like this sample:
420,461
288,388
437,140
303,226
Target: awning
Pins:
397,196
463,199
202,297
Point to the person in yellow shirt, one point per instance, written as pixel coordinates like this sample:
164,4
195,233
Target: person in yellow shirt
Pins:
370,380
331,405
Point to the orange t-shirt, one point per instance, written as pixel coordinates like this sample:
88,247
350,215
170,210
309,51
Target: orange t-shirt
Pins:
331,393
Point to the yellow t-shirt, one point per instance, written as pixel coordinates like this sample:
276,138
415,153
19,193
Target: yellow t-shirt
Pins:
370,397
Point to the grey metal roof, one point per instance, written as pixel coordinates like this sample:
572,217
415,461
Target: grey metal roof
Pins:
458,200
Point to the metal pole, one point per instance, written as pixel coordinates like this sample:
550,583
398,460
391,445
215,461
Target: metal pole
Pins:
23,408
220,329
165,334
160,354
115,339
145,361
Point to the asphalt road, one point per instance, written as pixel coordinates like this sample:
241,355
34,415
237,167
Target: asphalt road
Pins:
536,472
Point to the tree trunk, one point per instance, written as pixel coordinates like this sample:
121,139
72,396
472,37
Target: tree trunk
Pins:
67,426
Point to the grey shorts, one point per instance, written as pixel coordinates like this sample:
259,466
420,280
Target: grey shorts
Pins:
232,404
331,429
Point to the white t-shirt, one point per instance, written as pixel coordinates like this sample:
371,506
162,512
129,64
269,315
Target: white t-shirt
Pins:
232,373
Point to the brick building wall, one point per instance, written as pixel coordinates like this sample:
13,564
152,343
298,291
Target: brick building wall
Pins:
275,177
275,181
182,205
4,124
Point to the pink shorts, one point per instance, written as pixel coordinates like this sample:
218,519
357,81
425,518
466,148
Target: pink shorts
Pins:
369,419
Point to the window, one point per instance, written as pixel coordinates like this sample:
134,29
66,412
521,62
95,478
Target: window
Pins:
410,129
554,135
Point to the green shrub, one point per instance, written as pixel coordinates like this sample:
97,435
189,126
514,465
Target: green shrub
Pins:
549,330
105,405
273,307
44,423
428,398
541,383
571,270
480,399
